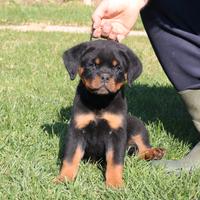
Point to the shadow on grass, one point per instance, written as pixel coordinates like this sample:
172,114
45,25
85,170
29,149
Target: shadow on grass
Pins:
156,103
152,104
59,128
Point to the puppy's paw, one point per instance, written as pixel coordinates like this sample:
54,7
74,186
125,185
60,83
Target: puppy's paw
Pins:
59,179
153,154
62,179
114,183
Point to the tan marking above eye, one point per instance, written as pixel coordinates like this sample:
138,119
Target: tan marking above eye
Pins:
97,61
114,62
115,121
82,120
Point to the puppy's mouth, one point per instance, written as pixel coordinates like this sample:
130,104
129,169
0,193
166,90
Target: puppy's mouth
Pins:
100,87
103,89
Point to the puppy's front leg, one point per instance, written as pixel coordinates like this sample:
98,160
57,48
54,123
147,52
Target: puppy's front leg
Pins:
115,159
74,151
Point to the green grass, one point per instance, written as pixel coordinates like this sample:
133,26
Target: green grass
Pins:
36,95
73,13
70,13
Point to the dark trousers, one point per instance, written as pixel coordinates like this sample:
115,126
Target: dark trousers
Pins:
173,27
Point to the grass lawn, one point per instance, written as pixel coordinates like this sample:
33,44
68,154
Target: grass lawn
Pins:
73,13
35,99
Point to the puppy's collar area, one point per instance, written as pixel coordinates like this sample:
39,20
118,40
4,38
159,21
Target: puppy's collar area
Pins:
97,102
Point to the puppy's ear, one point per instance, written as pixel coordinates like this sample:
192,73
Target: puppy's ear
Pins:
72,59
134,66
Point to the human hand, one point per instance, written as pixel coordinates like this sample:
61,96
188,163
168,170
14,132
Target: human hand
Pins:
114,19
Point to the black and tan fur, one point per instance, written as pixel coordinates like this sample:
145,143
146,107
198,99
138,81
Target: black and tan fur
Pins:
100,127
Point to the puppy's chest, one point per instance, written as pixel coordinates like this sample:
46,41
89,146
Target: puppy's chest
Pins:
99,120
97,130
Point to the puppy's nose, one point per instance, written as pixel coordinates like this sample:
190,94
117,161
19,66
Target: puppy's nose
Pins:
105,77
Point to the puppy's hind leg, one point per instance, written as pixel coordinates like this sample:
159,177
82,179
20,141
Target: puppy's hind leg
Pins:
138,136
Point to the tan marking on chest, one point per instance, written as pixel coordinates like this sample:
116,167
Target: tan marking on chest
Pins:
115,121
82,120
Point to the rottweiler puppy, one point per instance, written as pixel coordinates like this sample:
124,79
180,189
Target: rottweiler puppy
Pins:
100,126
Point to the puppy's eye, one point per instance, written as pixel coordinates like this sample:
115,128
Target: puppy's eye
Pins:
93,66
118,68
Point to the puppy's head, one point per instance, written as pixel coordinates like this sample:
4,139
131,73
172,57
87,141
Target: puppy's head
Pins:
103,65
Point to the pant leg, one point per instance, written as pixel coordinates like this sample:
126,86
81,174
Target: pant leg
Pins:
173,27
